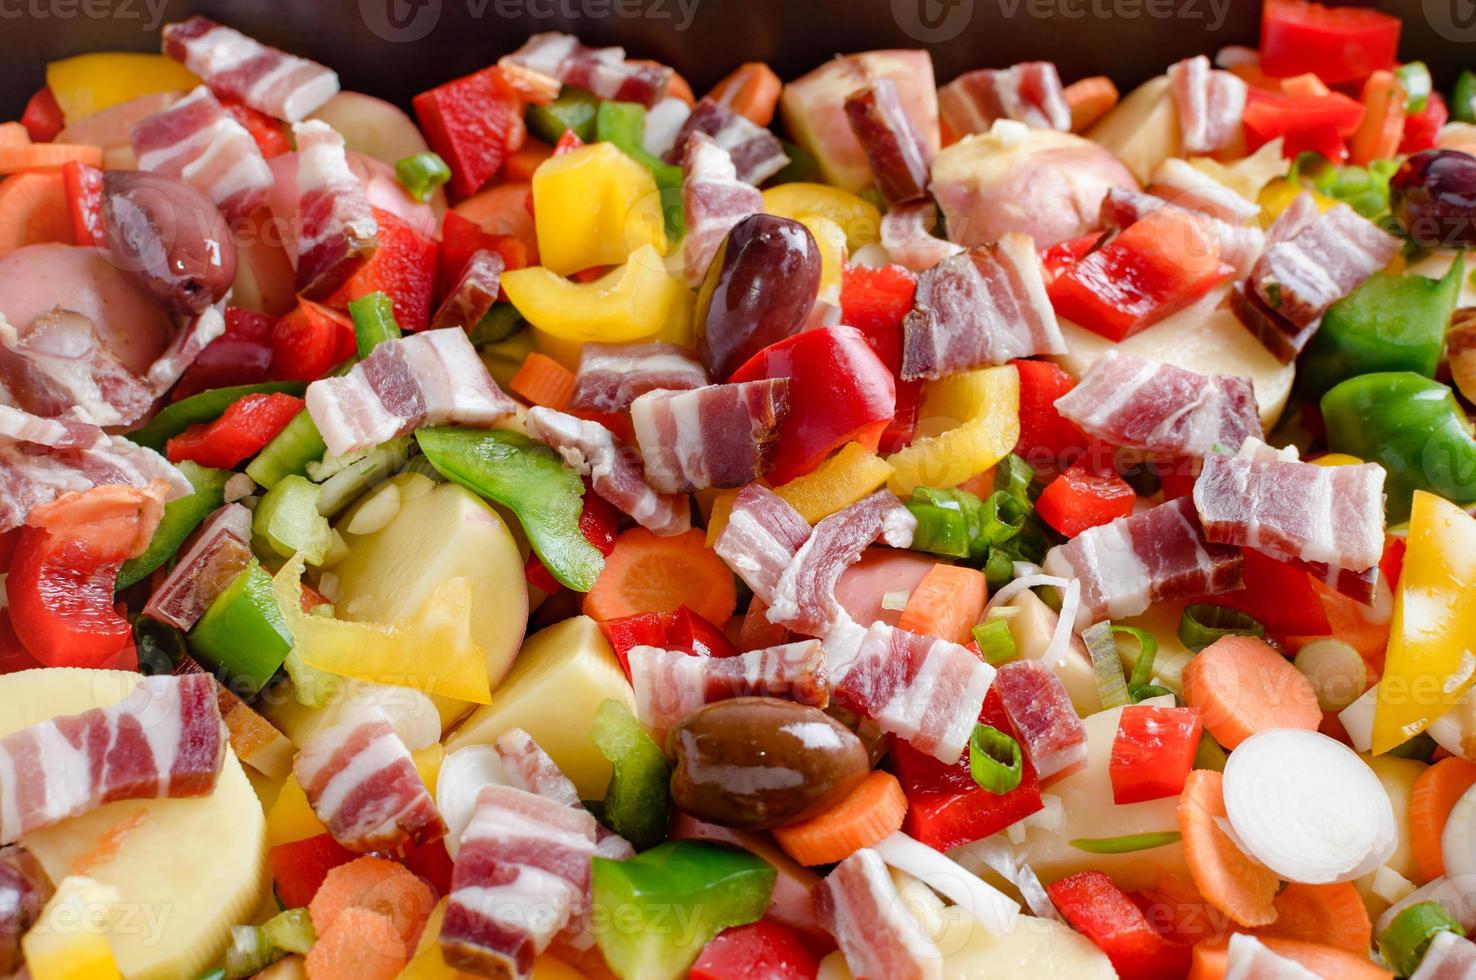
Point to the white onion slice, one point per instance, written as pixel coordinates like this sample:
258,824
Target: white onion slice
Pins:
1307,807
1060,645
1336,670
463,774
1358,719
1452,730
1448,956
1458,840
1020,584
991,907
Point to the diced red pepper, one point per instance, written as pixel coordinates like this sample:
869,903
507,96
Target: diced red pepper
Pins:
1177,476
84,202
875,301
1421,128
240,433
598,522
1095,907
269,134
473,122
839,392
1152,752
60,593
1338,44
1046,439
43,117
402,267
1081,498
1063,255
432,863
1308,122
461,238
299,867
762,950
680,629
310,341
1279,596
1157,266
240,356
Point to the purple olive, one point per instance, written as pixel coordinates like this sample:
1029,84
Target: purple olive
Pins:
1433,194
170,236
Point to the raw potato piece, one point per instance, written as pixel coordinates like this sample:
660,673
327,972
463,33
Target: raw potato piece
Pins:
1143,129
1032,628
186,870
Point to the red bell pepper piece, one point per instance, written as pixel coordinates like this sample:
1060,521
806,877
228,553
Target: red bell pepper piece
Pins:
299,867
1157,266
1095,907
403,267
1308,122
310,341
1421,128
839,392
43,117
240,356
432,863
1081,498
271,138
875,301
1177,476
60,593
762,950
1046,439
1063,255
1279,596
680,629
242,430
1152,752
474,123
84,202
1342,44
598,522
461,238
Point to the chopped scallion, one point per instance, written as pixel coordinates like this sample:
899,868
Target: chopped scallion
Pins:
995,761
1111,685
1202,624
421,173
1125,844
995,640
1403,944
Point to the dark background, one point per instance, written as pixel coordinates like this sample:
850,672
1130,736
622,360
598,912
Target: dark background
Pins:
1128,39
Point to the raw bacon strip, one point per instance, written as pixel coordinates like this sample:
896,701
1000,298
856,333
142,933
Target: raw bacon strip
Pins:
757,153
474,293
761,538
1130,401
1129,564
199,142
25,888
611,376
217,550
1051,733
58,366
1448,957
603,71
907,235
336,229
1029,92
362,784
713,200
898,154
804,598
1328,514
1180,182
718,436
614,470
985,306
234,65
671,684
165,739
1240,245
59,433
858,905
429,378
1250,959
532,770
199,333
1210,103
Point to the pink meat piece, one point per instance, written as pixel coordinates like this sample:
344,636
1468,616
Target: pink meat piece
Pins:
898,154
1240,245
718,436
1051,733
671,684
761,538
611,376
1030,92
336,228
235,66
1210,103
210,559
713,200
25,887
198,333
1181,183
1448,957
531,769
756,153
17,425
474,293
196,140
58,366
858,904
907,235
603,71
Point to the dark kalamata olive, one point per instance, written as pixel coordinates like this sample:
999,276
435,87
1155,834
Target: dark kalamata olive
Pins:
1433,194
170,236
758,290
757,763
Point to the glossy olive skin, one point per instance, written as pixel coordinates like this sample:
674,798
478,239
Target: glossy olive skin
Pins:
170,236
756,763
758,290
1433,194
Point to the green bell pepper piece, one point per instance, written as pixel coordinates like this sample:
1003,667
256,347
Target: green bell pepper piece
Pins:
1415,77
161,647
243,637
289,453
1413,427
530,480
180,518
624,124
207,406
421,173
639,794
374,321
653,913
1390,323
1463,97
574,109
497,324
287,522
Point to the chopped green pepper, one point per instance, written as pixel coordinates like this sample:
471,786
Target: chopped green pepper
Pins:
180,518
639,795
1463,97
374,320
421,174
242,636
497,324
1364,189
624,124
289,452
574,109
1415,77
160,646
653,913
287,522
207,406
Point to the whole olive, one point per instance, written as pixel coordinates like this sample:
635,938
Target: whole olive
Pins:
1433,194
170,236
757,763
758,290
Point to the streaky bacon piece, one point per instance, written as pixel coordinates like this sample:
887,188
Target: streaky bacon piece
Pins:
603,71
858,905
757,153
718,436
55,433
430,378
804,600
1133,402
1051,733
1247,958
897,152
1209,101
58,366
474,293
1448,957
336,228
1029,92
362,784
1180,182
984,306
907,235
1240,245
762,536
713,200
614,469
611,376
532,770
671,684
198,333
25,888
201,143
236,66
1333,515
1157,554
214,554
165,739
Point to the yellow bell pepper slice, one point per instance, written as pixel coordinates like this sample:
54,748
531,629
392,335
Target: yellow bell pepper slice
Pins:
631,303
91,83
856,216
1335,459
967,422
429,964
840,481
291,817
594,206
69,940
1430,661
831,240
428,764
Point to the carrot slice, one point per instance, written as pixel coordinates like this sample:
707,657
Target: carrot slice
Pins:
544,381
647,573
1382,128
946,603
1241,686
752,91
1431,799
46,156
756,632
873,810
33,209
1305,84
1228,879
1089,99
1211,958
1331,915
360,945
388,890
14,134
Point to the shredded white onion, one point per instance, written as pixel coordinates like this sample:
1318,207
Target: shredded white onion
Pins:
1060,645
1004,860
1458,840
1357,719
462,776
412,713
1451,729
1013,588
991,907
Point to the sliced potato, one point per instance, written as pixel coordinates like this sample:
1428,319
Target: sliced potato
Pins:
377,129
1397,776
1161,621
1032,628
1142,129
